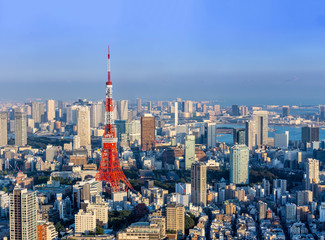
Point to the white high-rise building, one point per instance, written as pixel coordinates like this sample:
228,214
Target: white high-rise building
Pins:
20,129
261,127
188,106
50,109
83,124
101,212
312,173
281,140
3,129
198,184
210,134
37,111
23,212
76,142
291,212
176,114
120,110
239,158
134,131
250,136
96,114
85,222
189,151
71,112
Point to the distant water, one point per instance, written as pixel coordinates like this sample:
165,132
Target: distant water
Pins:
294,132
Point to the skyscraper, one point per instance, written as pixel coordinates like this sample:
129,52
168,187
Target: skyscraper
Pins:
322,112
121,109
250,136
148,132
3,129
176,114
83,124
188,106
239,158
262,207
238,136
139,106
281,140
235,110
189,151
309,134
50,110
20,129
175,215
23,210
198,184
37,111
149,106
210,135
96,114
261,127
285,111
312,173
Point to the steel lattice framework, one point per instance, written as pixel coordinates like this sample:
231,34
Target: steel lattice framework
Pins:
110,170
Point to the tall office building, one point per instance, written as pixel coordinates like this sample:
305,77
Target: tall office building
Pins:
176,114
239,158
188,106
309,134
85,222
50,109
280,184
322,112
83,124
304,197
189,151
3,129
235,110
149,106
148,136
122,109
210,135
23,212
281,140
243,110
37,111
175,215
285,111
261,127
139,106
238,136
76,142
262,207
291,212
312,173
198,184
96,114
20,129
250,136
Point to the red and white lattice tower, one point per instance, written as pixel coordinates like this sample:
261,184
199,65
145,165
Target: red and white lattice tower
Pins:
110,170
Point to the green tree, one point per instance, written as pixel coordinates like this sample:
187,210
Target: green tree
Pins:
59,227
5,189
99,230
189,222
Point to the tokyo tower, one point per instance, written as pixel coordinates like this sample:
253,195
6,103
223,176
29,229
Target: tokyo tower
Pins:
110,170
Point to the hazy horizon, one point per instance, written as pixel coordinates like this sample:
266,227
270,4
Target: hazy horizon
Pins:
238,52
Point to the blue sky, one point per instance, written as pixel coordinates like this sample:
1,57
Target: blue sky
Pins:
234,51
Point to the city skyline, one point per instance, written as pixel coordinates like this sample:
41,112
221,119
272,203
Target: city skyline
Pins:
209,50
